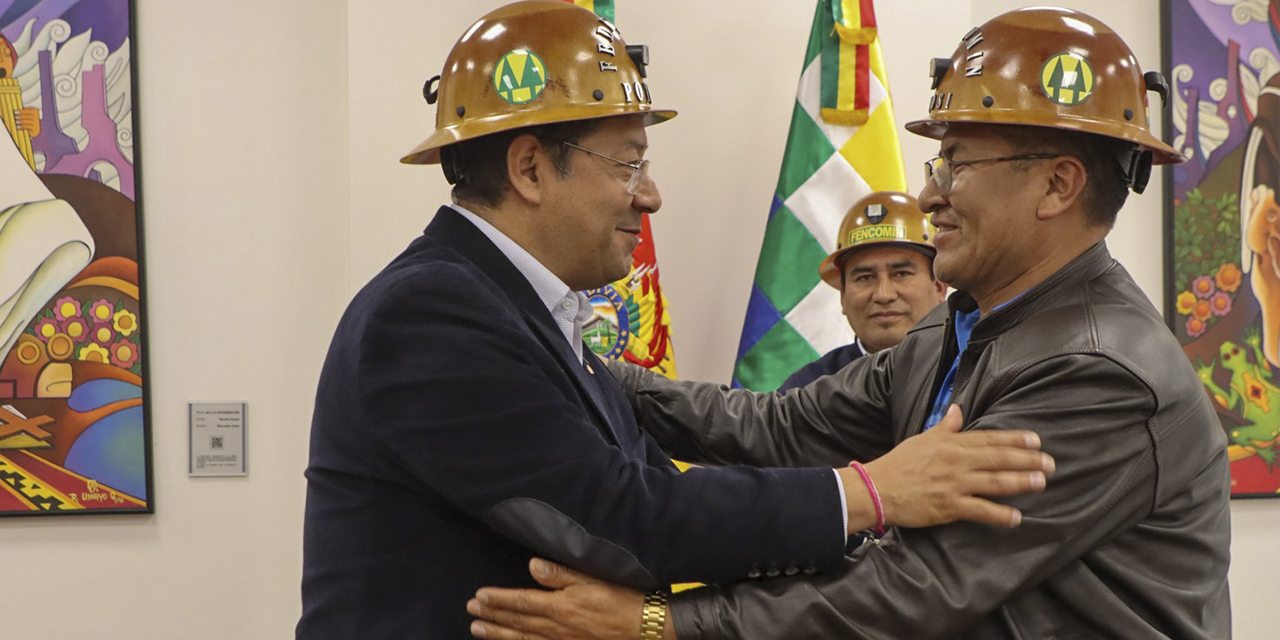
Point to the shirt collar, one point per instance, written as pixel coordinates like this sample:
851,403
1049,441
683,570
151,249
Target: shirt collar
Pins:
550,289
568,308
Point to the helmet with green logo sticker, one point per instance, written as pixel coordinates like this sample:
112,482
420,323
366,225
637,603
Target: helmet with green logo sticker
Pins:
1047,67
884,217
530,63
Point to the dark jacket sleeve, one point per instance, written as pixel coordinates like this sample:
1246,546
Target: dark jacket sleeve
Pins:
467,403
836,419
1092,416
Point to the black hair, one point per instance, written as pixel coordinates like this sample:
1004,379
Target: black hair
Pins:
1106,190
478,167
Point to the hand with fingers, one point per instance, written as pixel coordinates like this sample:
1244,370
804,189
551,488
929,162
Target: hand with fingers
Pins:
28,119
929,479
936,477
579,608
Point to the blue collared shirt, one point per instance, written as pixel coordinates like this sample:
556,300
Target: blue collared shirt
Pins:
964,323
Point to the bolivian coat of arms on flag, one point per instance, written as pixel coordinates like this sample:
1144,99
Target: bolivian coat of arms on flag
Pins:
631,320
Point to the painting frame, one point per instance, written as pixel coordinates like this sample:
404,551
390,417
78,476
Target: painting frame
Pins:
75,423
1222,62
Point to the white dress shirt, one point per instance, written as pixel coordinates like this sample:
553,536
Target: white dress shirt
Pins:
570,309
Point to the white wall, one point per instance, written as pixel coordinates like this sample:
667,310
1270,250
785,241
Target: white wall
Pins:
245,180
270,137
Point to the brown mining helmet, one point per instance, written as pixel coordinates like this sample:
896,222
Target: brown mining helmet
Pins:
1050,67
884,217
530,63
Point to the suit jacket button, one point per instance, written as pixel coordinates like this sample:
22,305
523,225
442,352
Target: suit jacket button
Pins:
773,573
754,573
791,571
808,571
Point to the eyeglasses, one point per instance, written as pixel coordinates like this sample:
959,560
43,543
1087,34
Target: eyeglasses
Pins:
638,169
940,168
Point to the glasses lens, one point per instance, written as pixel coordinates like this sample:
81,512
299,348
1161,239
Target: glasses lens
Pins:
940,171
637,174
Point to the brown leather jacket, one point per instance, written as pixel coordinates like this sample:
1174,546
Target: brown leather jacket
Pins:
1130,539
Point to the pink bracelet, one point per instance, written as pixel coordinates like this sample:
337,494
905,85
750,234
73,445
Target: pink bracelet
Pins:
875,495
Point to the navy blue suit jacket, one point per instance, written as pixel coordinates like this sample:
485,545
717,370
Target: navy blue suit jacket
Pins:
828,364
456,435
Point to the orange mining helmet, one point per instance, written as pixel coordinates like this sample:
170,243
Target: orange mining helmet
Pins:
1050,67
530,63
880,218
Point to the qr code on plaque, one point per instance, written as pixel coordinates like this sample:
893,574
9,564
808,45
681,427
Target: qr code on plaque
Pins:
215,442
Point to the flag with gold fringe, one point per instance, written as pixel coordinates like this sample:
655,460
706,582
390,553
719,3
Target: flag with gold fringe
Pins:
631,320
842,146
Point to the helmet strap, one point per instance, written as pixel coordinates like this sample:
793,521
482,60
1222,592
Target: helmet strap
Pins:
639,54
1135,164
1156,82
431,90
451,163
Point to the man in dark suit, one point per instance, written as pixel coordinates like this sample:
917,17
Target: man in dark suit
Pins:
461,427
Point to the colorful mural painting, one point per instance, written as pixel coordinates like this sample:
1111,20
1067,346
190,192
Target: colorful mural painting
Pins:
73,423
1222,267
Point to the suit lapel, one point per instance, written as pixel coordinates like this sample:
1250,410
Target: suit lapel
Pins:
451,228
589,388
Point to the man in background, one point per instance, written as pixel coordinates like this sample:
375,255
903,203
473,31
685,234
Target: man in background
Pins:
883,268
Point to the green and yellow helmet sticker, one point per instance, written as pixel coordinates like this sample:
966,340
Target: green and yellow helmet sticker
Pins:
520,76
1067,79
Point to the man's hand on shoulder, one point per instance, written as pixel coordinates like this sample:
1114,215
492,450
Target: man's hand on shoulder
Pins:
937,477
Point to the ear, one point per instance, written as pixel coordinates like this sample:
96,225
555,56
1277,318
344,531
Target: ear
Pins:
1066,184
526,168
942,290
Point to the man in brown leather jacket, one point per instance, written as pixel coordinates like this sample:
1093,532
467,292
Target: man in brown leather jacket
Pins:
1042,119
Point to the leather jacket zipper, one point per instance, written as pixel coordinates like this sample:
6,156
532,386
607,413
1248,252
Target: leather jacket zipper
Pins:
939,373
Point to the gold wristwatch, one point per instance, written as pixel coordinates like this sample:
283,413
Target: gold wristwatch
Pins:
654,617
